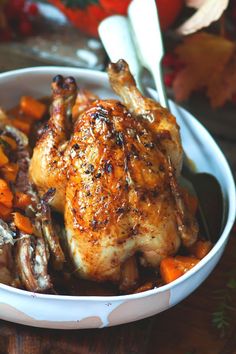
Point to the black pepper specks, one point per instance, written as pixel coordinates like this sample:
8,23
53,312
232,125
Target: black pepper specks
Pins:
108,167
149,145
90,169
94,224
162,168
119,138
155,193
76,146
102,115
120,210
148,163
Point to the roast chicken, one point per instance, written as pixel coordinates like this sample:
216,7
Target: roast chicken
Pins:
115,167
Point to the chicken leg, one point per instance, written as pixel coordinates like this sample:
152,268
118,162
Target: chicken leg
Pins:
49,162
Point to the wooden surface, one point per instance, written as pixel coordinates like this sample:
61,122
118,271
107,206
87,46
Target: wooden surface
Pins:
184,329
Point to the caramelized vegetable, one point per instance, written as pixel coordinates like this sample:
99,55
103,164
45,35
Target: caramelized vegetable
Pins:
3,157
169,270
6,196
172,268
22,200
200,248
21,125
32,107
10,171
186,263
23,223
9,141
5,212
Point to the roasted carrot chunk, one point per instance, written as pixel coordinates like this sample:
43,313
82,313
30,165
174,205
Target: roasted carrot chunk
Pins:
6,196
200,248
172,268
169,270
3,157
10,171
21,125
5,212
32,107
185,263
23,223
10,141
22,200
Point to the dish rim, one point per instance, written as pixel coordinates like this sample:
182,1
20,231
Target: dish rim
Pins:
229,217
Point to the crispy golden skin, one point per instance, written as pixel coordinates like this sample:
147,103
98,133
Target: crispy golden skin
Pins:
116,181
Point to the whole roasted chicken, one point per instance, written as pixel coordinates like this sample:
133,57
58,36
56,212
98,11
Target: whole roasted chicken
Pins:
115,167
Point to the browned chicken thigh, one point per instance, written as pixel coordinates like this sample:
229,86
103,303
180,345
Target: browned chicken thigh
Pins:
116,179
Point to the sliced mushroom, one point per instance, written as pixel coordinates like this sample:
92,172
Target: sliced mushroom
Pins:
32,261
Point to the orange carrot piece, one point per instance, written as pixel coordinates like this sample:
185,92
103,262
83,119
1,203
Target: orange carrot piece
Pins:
21,125
32,107
185,263
172,268
3,157
23,223
6,196
200,248
169,270
10,141
5,212
10,171
22,200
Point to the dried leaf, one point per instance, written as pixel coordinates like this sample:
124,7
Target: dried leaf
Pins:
208,12
209,63
224,86
194,3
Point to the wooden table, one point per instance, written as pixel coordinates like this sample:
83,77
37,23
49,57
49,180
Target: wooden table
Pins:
184,329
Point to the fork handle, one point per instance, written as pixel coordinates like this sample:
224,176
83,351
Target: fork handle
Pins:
116,37
159,83
146,30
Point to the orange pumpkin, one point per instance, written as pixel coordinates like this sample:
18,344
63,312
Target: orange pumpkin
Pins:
87,14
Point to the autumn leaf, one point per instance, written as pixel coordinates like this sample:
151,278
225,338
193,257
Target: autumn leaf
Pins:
207,12
225,86
194,3
209,63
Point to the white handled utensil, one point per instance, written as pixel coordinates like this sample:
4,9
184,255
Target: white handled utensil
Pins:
116,37
146,30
